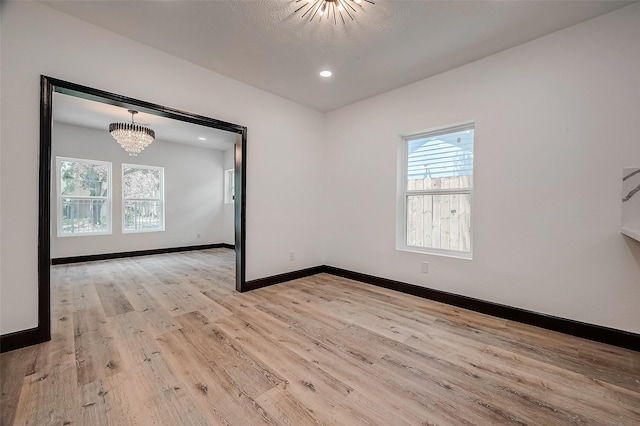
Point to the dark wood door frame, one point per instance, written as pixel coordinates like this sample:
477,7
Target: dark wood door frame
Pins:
48,86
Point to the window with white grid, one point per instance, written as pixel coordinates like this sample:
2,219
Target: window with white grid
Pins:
84,197
142,198
229,186
436,188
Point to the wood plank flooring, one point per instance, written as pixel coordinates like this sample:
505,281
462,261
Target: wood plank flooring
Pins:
165,340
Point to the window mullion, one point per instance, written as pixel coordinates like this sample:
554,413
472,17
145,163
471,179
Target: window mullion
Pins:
83,197
140,213
440,191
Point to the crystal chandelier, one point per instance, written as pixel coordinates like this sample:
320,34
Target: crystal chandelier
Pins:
133,137
330,9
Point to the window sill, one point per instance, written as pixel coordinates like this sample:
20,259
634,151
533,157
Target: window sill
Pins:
143,231
436,252
84,234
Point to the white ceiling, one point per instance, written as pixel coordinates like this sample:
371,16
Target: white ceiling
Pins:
388,45
96,115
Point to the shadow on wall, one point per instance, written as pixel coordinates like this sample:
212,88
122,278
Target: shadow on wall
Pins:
634,248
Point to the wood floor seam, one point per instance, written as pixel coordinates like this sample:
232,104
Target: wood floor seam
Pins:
167,340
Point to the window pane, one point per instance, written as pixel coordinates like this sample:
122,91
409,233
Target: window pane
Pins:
142,215
141,183
448,156
229,186
439,221
84,216
84,179
451,182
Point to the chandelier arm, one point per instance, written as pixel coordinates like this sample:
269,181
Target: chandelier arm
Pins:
319,3
311,6
348,3
347,10
306,11
326,8
342,3
300,7
310,9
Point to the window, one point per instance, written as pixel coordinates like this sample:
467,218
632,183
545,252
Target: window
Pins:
142,198
434,207
84,197
229,186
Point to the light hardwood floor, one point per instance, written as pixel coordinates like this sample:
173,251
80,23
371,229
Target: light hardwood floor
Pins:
166,340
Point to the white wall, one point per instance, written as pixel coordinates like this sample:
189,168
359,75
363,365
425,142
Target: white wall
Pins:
284,140
228,231
556,121
192,188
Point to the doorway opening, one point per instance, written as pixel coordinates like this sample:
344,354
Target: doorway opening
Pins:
49,86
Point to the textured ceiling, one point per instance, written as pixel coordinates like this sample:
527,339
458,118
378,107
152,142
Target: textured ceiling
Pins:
388,45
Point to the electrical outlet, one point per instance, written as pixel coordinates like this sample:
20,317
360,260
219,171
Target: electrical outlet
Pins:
198,236
424,267
292,256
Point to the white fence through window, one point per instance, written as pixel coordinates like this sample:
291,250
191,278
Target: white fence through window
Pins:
142,215
88,215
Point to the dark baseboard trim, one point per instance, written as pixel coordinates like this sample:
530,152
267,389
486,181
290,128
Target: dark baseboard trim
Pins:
281,278
611,336
107,256
33,336
23,338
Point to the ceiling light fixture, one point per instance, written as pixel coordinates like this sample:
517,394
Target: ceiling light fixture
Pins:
202,139
330,9
133,137
325,73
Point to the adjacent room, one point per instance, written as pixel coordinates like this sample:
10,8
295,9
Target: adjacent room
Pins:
340,212
177,194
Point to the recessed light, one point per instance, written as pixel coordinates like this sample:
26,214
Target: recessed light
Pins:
202,139
325,73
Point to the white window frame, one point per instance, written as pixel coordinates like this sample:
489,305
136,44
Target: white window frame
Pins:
403,193
59,197
161,199
229,186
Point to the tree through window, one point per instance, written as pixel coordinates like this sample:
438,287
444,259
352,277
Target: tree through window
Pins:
142,198
84,196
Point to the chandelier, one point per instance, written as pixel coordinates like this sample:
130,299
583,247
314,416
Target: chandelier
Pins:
133,137
330,9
